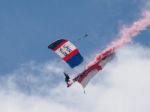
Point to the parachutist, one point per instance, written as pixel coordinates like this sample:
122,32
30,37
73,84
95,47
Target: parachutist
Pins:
67,78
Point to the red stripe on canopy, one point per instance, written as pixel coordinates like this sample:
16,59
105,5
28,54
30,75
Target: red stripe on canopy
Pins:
73,53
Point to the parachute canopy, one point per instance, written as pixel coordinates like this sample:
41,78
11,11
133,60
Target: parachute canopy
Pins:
67,51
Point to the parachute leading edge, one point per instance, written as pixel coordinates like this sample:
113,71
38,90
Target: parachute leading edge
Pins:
67,51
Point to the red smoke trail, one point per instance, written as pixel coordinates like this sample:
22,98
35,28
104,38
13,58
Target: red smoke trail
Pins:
126,34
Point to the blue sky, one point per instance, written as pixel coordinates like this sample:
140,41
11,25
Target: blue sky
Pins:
31,77
28,26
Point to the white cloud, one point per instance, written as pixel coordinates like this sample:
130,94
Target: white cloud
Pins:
123,86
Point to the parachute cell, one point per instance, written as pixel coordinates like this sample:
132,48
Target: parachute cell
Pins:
67,51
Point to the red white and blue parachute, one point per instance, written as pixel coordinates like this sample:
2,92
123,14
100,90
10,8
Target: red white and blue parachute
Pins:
71,55
67,51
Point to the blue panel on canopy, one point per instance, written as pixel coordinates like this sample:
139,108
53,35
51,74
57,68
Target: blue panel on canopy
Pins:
75,60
